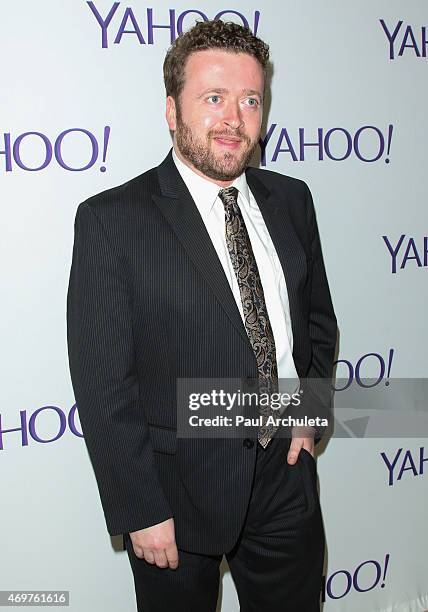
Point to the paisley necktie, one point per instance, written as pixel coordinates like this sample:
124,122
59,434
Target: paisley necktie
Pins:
256,316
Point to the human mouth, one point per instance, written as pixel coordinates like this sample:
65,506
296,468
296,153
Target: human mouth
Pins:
230,142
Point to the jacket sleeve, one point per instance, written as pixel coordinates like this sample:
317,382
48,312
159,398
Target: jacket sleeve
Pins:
317,400
105,382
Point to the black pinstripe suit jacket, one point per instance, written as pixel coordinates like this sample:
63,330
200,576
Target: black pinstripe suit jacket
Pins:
147,302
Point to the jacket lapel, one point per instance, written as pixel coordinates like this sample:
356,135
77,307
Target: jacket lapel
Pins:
285,239
179,209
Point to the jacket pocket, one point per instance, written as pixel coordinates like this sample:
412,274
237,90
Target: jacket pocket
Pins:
164,439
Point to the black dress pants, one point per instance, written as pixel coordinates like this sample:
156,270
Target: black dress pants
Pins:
277,561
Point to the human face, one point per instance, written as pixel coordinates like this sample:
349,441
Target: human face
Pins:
218,121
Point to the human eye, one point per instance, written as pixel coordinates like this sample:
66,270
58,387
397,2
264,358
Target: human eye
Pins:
252,102
214,98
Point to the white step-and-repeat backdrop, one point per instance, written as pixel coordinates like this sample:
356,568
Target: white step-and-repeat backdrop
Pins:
82,109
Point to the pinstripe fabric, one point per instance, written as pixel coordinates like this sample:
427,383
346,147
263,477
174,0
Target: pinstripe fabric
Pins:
148,302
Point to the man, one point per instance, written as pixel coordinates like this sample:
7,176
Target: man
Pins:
203,267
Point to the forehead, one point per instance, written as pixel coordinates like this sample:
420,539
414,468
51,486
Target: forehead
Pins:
217,68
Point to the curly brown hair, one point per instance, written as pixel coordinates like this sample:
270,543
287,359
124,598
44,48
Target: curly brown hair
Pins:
213,34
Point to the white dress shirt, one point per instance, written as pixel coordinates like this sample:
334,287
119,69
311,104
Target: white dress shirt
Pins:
211,209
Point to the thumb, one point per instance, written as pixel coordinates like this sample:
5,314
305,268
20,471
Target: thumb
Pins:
294,450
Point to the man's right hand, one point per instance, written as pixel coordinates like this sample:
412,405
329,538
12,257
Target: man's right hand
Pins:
156,544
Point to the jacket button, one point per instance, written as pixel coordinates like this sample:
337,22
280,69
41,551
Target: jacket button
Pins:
248,443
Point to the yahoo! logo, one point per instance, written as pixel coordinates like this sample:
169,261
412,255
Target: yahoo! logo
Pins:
365,577
353,378
400,39
407,462
406,250
45,150
46,417
353,373
368,144
125,22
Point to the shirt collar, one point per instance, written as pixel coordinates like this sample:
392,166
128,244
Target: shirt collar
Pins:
205,192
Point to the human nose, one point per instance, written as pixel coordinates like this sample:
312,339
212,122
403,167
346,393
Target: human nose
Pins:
233,116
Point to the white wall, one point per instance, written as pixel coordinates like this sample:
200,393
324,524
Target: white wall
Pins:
332,70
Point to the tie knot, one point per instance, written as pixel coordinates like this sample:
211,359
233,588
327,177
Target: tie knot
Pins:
229,195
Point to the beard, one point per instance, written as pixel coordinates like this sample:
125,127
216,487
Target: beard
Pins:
221,167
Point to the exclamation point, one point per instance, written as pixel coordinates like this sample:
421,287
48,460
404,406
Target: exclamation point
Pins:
382,586
256,22
390,356
388,148
105,145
